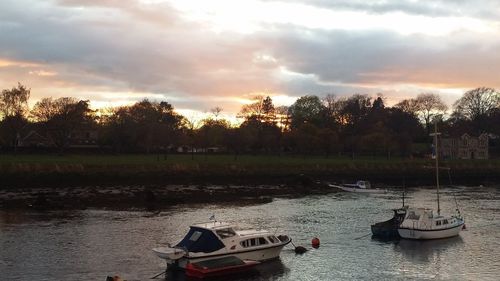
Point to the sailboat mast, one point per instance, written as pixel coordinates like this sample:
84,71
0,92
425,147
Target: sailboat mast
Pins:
437,164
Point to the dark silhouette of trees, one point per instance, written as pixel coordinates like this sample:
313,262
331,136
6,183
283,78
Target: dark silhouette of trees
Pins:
145,125
354,125
13,109
62,117
307,110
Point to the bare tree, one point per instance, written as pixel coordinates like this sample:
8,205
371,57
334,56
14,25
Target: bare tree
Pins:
216,112
477,102
14,101
254,109
429,105
408,106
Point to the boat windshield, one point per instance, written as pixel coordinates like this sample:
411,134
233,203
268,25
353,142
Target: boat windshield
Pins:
225,233
200,240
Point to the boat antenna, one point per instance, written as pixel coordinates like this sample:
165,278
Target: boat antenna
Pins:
435,135
404,190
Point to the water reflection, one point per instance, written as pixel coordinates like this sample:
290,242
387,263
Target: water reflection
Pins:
91,244
270,270
427,250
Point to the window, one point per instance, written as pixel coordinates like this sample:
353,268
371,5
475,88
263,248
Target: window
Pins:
445,222
273,239
195,236
225,233
413,216
253,242
438,222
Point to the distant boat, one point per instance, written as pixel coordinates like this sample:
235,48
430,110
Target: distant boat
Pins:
215,240
423,223
359,186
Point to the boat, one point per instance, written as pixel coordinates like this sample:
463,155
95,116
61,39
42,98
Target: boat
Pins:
213,240
219,267
423,223
359,186
388,230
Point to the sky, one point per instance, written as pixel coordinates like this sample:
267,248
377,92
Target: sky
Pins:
199,54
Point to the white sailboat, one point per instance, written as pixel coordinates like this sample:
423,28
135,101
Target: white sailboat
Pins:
423,223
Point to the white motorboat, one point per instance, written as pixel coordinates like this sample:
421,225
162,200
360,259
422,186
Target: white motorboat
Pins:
422,224
359,186
213,240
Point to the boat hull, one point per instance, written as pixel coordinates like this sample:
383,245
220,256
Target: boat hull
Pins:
259,255
202,270
358,190
424,234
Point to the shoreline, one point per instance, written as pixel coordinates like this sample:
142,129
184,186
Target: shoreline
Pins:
140,181
148,197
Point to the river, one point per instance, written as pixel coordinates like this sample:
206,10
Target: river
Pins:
91,244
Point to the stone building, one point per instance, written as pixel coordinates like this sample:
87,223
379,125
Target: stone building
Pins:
464,147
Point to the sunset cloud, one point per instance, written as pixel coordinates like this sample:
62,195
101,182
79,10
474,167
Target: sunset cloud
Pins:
201,54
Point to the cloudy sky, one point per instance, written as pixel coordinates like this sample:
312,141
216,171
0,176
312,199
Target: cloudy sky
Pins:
198,54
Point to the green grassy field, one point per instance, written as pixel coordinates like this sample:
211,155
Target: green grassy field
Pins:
187,159
41,169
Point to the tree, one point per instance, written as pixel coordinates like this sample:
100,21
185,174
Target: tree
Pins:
254,109
268,110
408,106
477,103
216,111
212,132
261,109
13,108
355,108
307,109
283,118
429,105
61,117
145,124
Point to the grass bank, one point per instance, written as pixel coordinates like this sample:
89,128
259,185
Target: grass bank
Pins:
67,170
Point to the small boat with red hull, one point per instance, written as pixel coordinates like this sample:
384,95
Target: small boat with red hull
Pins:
218,267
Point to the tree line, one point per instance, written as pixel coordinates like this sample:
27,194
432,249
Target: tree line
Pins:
354,125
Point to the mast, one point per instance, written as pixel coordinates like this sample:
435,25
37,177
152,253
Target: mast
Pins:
435,134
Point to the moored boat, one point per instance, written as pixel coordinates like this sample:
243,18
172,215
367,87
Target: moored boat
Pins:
359,186
388,230
219,267
213,240
422,223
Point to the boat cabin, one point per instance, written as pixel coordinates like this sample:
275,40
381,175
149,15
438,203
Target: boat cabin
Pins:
363,184
213,236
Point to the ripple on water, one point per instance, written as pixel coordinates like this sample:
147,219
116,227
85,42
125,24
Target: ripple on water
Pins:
90,244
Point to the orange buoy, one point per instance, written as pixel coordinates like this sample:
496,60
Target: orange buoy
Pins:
315,242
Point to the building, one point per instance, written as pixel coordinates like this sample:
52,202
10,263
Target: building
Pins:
464,147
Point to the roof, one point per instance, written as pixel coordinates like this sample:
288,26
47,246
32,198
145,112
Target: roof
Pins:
213,225
250,232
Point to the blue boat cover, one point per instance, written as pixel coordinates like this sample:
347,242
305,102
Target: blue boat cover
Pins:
200,240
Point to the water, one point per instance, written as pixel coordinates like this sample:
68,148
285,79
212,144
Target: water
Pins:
91,244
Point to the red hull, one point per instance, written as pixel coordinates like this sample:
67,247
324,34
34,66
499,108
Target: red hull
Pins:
196,271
